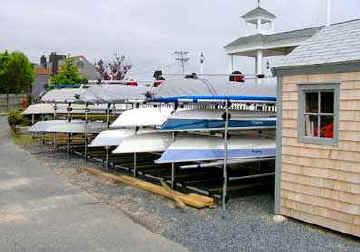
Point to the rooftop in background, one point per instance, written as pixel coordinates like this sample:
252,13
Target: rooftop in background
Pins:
86,68
333,44
42,71
274,45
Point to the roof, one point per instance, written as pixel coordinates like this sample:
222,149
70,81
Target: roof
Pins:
42,71
290,37
86,68
259,12
333,44
39,83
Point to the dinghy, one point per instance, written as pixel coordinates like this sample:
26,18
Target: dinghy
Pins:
219,91
147,142
142,117
46,108
197,120
114,137
203,148
64,126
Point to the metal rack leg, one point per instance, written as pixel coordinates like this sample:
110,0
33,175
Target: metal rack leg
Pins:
225,175
172,176
68,142
107,158
134,171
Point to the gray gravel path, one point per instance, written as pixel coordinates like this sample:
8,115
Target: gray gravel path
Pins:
40,212
247,224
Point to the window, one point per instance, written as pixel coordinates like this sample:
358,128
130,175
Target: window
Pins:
318,113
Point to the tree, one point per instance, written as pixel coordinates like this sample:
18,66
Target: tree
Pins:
4,69
16,73
116,69
68,74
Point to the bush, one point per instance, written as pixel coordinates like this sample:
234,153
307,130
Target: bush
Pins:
16,118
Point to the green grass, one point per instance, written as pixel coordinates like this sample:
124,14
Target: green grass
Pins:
23,139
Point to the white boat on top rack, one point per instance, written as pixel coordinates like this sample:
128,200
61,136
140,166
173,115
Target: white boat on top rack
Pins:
213,91
142,117
203,120
204,148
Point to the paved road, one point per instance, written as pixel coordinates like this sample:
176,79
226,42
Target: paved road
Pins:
39,212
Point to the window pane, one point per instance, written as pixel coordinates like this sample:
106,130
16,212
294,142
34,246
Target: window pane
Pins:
327,126
311,102
327,102
311,125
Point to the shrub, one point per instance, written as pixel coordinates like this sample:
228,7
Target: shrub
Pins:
16,118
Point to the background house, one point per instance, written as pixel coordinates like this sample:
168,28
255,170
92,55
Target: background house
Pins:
42,76
51,65
86,68
318,131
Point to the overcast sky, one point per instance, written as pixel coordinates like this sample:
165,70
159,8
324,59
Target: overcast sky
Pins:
149,31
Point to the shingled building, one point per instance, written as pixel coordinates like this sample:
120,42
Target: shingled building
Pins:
318,130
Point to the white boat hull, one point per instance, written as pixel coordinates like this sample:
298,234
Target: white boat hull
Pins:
202,148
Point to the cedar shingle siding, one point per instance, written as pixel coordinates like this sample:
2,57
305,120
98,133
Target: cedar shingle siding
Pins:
320,184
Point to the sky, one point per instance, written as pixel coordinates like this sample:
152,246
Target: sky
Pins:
149,31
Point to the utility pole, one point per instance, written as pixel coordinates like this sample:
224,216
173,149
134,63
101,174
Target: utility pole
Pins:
182,58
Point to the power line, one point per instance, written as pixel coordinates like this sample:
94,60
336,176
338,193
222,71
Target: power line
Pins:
182,58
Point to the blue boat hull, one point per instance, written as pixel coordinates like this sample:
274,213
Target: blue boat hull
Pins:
198,124
182,155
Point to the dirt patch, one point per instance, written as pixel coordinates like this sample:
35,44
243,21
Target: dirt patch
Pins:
12,183
11,218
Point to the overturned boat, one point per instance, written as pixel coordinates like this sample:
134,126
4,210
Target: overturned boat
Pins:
198,120
205,148
142,117
65,126
146,142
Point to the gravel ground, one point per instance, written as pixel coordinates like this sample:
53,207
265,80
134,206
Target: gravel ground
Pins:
247,224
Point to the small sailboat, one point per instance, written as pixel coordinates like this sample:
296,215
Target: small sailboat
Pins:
146,142
111,137
64,126
205,148
142,117
197,120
